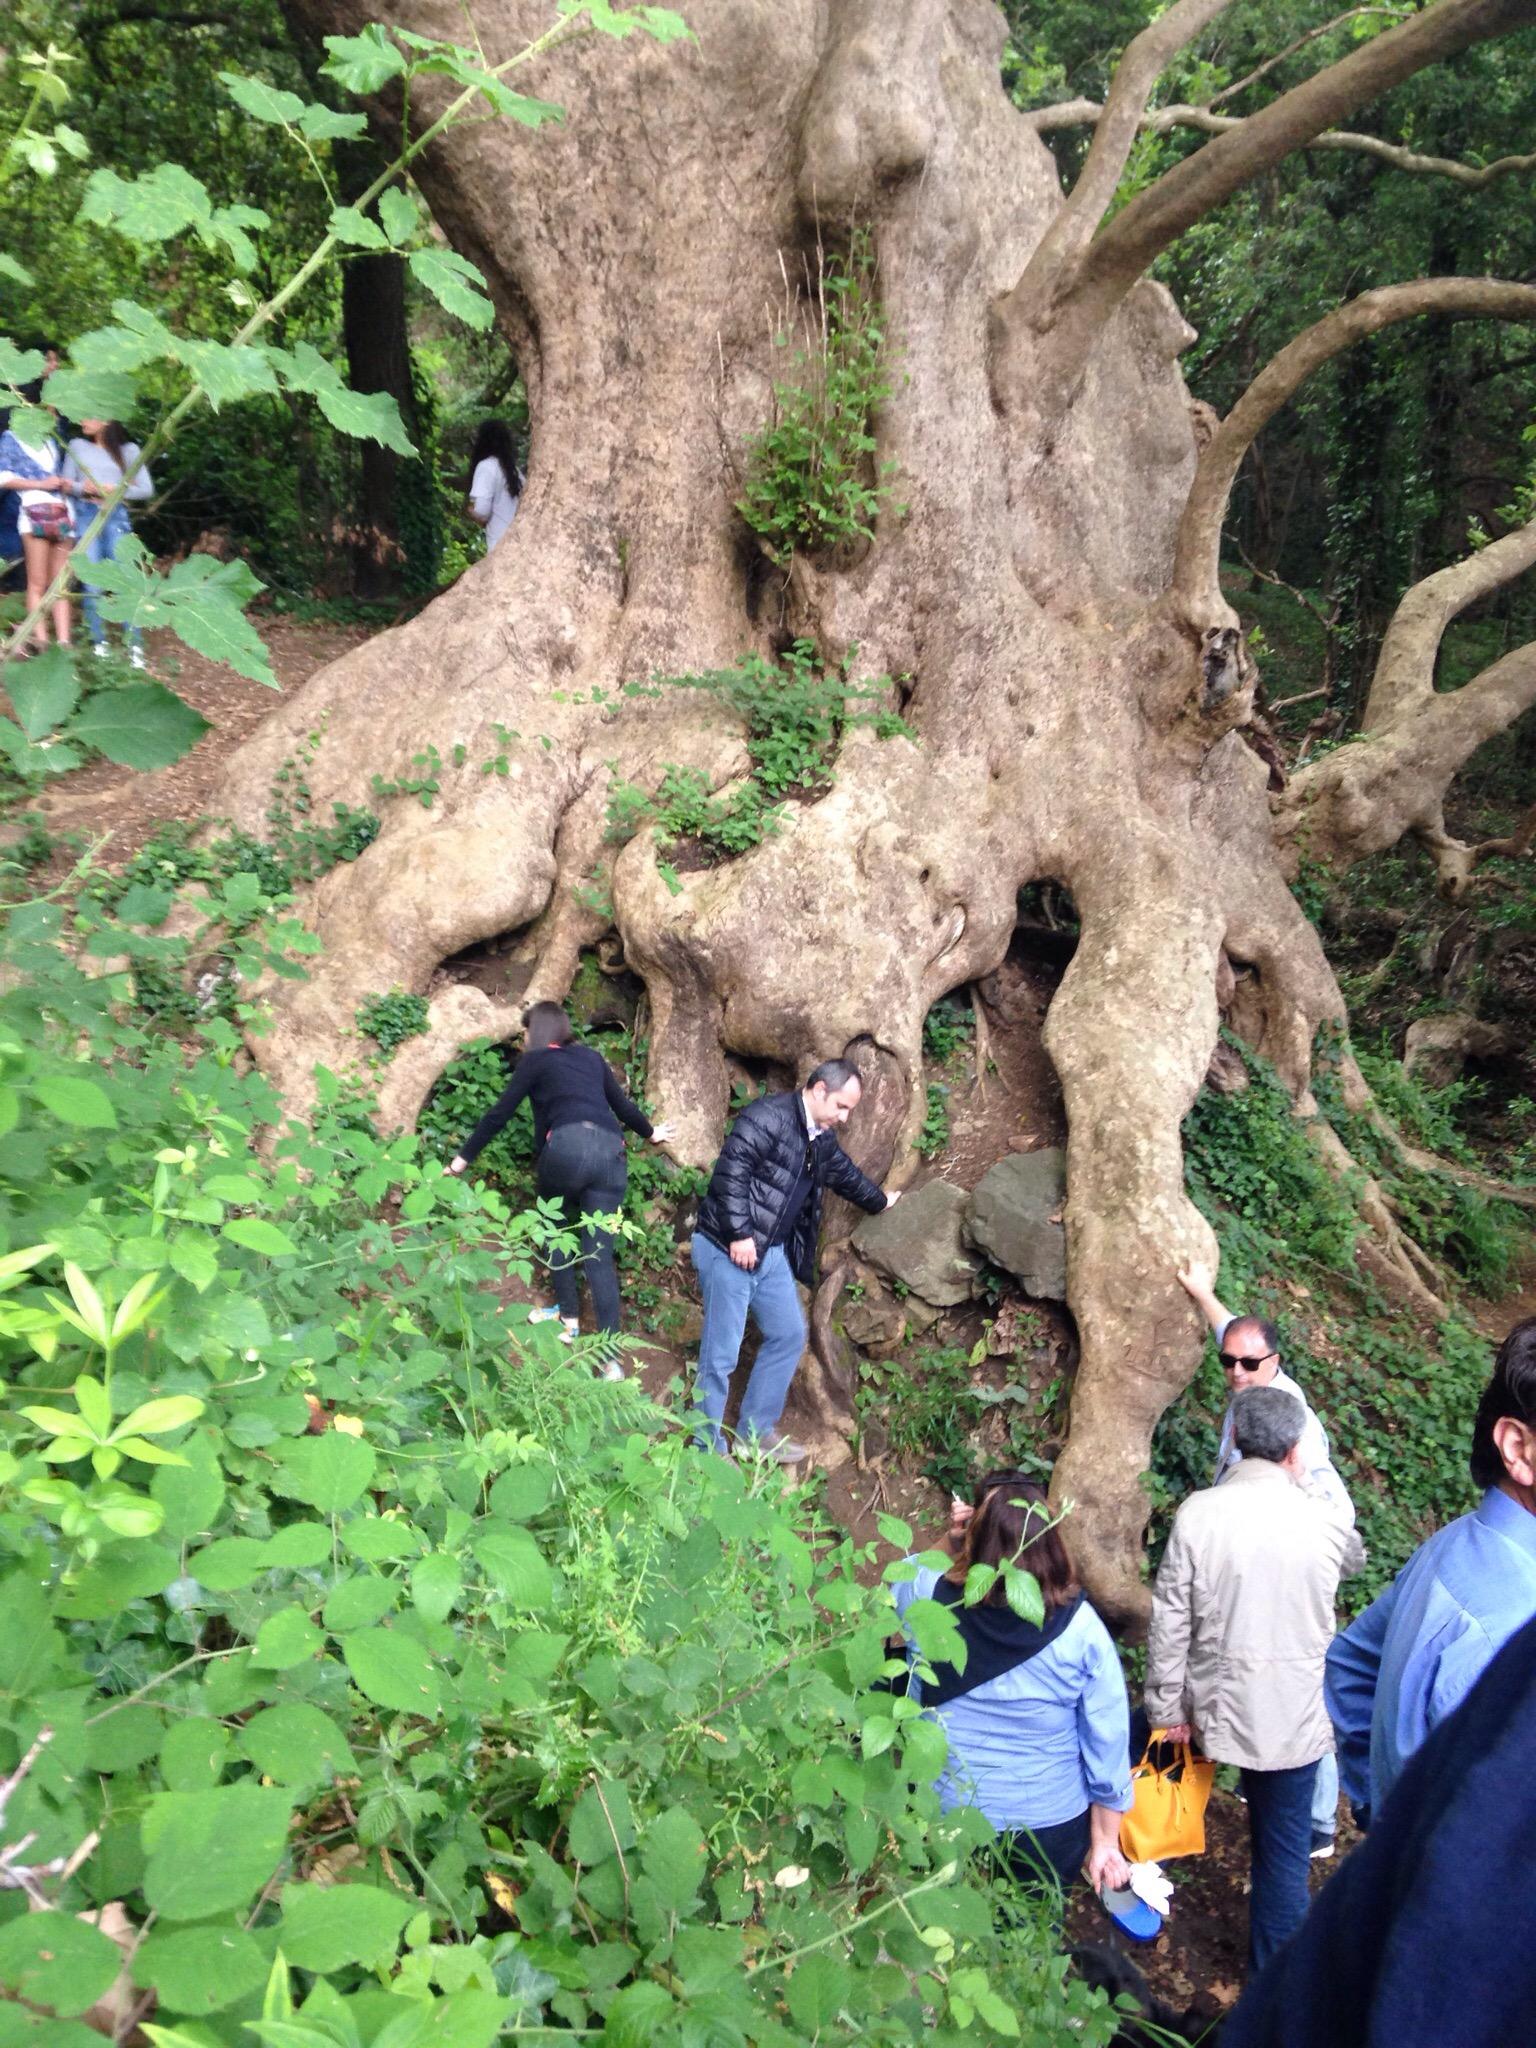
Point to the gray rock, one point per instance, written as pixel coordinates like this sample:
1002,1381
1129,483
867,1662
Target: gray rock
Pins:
919,1243
1013,1217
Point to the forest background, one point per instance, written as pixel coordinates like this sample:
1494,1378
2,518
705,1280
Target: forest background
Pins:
271,1648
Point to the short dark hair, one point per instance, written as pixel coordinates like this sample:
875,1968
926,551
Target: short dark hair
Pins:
1013,1525
1512,1392
547,1024
1267,1423
833,1074
1266,1330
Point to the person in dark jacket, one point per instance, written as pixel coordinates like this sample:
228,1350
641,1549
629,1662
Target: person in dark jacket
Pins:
577,1109
756,1236
1423,1939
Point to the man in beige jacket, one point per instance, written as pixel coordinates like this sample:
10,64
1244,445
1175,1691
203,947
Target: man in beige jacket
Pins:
1242,1617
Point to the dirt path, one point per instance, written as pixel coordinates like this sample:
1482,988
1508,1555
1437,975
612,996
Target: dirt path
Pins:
124,805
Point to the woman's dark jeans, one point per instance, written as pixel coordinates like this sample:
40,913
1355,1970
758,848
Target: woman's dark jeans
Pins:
584,1167
1060,1849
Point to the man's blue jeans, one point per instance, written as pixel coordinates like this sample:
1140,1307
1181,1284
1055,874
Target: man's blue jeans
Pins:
1280,1845
768,1294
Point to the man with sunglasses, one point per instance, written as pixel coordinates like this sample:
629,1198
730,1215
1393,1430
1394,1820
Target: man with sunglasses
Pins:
1249,1350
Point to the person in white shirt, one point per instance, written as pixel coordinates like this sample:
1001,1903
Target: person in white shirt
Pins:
495,482
32,469
1249,1349
99,457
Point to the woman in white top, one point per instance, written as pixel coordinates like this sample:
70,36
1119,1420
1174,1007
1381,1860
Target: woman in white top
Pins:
494,482
99,457
32,470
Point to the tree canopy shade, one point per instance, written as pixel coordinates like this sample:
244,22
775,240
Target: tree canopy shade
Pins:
975,475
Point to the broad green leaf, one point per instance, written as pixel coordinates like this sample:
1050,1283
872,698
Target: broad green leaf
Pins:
359,1603
377,1538
227,371
464,2019
673,1854
1021,1590
92,394
328,1472
200,1969
209,1851
325,124
397,213
814,1991
261,101
366,416
54,1960
601,1823
165,201
16,272
190,1496
363,63
393,1670
44,690
356,229
325,1927
193,1754
143,725
154,1418
20,365
194,1258
75,1100
521,1491
258,1235
299,1545
455,283
145,903
105,1587
202,601
515,1566
229,1563
437,1585
297,1745
285,1639
637,2016
235,1187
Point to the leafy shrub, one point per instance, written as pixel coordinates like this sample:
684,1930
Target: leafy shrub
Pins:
948,1028
489,1706
393,1018
934,1135
812,483
795,712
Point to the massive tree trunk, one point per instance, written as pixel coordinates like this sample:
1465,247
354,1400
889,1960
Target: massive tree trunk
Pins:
1075,702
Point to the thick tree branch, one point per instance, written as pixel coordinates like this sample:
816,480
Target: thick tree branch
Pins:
1202,182
1195,581
1085,113
1404,677
1118,124
1073,293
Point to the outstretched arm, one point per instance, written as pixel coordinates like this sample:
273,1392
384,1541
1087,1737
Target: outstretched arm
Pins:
1199,1283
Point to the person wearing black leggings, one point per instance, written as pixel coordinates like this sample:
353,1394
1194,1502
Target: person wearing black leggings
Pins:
577,1109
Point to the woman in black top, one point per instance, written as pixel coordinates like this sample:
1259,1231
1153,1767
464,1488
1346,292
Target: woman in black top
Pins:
577,1109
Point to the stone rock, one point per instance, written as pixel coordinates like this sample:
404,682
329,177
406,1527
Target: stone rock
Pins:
873,1319
1437,1048
1226,1073
1014,1216
919,1243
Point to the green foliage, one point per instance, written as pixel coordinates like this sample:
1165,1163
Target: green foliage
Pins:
926,1400
812,481
934,1135
795,712
603,1708
948,1029
391,1019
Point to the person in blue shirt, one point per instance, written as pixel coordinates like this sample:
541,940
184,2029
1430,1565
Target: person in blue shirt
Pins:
1423,1940
1405,1664
1038,1721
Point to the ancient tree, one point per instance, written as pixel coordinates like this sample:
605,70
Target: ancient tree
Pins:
1042,583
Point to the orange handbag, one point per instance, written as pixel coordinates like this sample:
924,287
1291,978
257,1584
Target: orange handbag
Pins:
1167,1816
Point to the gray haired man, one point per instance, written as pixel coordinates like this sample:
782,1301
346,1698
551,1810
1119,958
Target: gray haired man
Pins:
1242,1617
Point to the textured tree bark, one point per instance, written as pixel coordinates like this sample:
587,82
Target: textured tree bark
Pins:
1073,717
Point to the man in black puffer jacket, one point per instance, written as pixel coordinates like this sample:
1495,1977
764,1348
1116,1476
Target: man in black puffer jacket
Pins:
756,1236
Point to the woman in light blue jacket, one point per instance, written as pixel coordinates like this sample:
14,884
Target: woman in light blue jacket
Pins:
1038,1721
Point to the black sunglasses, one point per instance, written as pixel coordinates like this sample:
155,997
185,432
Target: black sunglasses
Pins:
1245,1364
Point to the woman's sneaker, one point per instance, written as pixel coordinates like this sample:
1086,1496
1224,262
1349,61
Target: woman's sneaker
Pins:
571,1329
